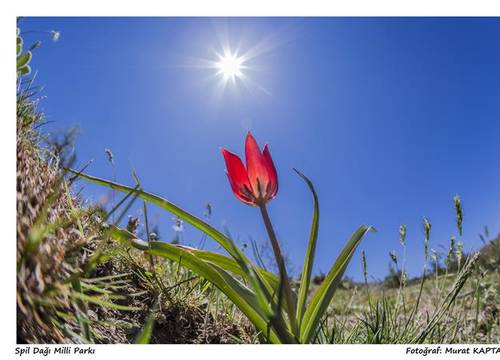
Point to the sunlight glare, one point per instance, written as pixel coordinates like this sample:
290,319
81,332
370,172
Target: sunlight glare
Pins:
230,66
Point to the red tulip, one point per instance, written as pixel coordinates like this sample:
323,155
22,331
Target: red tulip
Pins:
256,184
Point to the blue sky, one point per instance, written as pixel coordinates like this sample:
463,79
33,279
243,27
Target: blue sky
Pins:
389,117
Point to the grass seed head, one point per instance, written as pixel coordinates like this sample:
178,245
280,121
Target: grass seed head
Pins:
402,234
458,212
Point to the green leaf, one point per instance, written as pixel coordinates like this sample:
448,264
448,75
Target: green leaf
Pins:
23,59
19,45
324,294
126,237
231,265
167,205
25,70
311,250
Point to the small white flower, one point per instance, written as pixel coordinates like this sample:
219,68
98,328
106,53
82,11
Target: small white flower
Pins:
178,225
55,35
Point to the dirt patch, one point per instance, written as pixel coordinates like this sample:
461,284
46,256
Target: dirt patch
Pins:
180,324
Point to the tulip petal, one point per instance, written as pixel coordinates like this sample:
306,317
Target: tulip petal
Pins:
271,170
242,196
238,177
256,166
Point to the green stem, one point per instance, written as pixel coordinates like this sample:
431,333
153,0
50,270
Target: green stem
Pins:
281,267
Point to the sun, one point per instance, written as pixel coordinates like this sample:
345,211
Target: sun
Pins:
230,66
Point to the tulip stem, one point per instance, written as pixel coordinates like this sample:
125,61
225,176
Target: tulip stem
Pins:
280,262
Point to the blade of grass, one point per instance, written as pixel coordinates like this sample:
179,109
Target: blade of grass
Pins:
257,255
72,206
81,310
146,222
98,301
144,337
120,203
449,300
